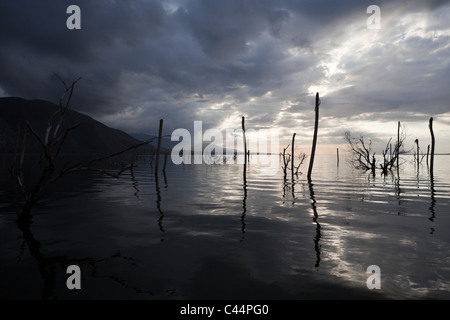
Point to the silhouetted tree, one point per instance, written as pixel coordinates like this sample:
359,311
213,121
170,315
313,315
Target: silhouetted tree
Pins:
362,155
364,158
51,170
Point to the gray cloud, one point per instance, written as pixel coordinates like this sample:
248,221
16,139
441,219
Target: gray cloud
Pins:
212,59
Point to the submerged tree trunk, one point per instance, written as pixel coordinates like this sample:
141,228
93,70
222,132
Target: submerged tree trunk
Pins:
418,152
337,155
165,162
158,150
316,128
397,151
245,140
373,164
433,142
293,150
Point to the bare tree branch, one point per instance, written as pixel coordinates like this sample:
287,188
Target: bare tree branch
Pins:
66,134
120,152
51,147
41,142
364,158
302,157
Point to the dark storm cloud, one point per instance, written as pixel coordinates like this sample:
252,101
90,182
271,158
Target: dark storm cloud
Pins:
40,25
215,59
37,46
204,46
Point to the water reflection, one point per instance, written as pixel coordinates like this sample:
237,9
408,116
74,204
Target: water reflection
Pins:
205,203
47,264
158,203
396,182
288,189
293,191
244,201
433,199
166,185
318,236
134,182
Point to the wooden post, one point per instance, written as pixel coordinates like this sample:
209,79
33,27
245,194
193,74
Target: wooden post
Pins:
284,162
337,154
428,155
372,165
417,160
158,150
316,127
292,157
433,142
397,151
245,140
244,178
165,162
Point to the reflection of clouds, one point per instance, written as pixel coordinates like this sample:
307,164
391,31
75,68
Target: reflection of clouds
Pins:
403,282
226,60
373,233
408,287
440,285
350,253
203,206
346,256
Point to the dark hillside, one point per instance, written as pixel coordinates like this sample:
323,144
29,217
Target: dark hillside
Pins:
90,138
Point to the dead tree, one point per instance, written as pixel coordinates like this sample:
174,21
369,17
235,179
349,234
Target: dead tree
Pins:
362,155
364,158
301,157
286,160
397,149
51,170
433,142
390,157
292,153
245,140
158,150
316,128
337,157
418,156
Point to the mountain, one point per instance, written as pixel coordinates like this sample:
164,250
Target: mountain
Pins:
141,136
90,138
166,144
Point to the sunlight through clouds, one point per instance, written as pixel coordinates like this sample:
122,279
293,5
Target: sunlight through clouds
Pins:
218,60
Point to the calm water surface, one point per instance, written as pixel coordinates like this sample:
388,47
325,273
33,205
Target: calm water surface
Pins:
208,232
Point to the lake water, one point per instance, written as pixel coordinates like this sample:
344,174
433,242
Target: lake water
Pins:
202,232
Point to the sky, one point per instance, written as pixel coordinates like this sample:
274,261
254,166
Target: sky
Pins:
218,60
